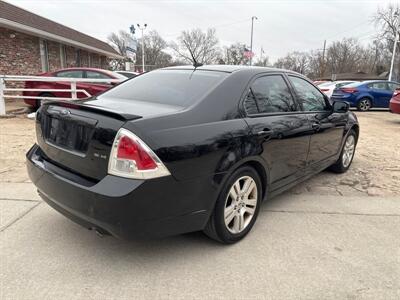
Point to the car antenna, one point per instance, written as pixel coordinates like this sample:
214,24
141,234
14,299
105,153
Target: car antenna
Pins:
195,63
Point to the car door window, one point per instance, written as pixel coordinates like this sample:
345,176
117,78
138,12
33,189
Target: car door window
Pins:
393,86
250,104
378,86
308,95
70,74
269,94
96,75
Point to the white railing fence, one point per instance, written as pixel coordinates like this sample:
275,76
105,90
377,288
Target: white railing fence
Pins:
11,92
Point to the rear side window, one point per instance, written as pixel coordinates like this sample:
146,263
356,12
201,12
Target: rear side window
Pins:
170,87
269,94
308,95
393,86
378,86
70,74
96,75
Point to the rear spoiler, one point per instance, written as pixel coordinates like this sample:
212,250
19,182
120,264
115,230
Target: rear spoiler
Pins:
80,105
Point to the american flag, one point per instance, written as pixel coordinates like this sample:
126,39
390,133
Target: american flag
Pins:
247,53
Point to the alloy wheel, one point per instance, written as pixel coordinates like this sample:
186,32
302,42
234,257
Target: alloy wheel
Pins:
348,150
365,104
240,204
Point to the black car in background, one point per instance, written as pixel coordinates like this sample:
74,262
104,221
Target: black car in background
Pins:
184,149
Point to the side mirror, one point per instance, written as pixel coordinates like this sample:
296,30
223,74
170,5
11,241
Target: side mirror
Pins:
340,107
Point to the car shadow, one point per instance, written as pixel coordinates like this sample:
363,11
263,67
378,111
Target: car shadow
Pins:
197,243
140,247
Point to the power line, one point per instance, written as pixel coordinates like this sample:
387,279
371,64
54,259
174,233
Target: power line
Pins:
217,26
349,30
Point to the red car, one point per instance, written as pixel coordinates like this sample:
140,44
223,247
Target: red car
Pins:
91,88
394,105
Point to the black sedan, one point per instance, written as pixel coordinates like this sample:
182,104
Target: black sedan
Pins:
184,149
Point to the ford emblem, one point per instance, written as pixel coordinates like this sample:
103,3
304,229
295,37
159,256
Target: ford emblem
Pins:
65,112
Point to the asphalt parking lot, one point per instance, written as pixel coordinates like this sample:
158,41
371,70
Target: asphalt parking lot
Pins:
332,237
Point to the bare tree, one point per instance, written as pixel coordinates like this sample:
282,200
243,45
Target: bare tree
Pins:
344,56
387,23
295,61
263,62
154,49
120,41
234,55
197,46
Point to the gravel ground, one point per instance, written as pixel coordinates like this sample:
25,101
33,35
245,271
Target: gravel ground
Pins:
375,170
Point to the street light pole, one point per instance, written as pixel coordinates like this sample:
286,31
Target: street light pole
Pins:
251,38
396,40
142,28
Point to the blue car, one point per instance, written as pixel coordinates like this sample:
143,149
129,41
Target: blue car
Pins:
367,94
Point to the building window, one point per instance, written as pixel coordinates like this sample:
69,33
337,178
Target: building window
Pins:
44,55
63,56
78,58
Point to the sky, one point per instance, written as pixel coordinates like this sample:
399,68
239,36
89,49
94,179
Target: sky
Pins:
281,26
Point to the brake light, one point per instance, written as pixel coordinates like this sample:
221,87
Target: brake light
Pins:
349,90
324,90
130,157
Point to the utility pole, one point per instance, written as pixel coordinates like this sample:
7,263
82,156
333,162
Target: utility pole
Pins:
322,70
251,38
142,28
396,40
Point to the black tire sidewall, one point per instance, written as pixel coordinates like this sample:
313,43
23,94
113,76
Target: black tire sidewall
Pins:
223,233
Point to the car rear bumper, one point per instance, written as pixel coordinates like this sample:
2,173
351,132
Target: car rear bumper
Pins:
123,207
394,106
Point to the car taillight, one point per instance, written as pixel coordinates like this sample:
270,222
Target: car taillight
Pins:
130,157
324,90
349,90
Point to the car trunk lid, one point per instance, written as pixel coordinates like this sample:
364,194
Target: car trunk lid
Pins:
78,135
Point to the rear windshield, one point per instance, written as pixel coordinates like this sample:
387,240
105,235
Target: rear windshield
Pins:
171,87
326,84
354,84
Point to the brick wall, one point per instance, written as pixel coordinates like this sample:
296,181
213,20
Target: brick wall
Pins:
19,53
54,56
71,57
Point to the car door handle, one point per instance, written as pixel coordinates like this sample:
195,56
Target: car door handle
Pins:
266,133
316,126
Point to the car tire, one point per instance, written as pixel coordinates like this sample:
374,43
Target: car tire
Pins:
364,104
346,155
39,101
237,207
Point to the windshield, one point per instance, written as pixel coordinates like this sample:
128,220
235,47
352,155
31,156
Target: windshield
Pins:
171,87
118,76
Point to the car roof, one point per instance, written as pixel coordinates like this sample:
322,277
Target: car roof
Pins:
231,69
108,72
377,81
122,71
82,69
